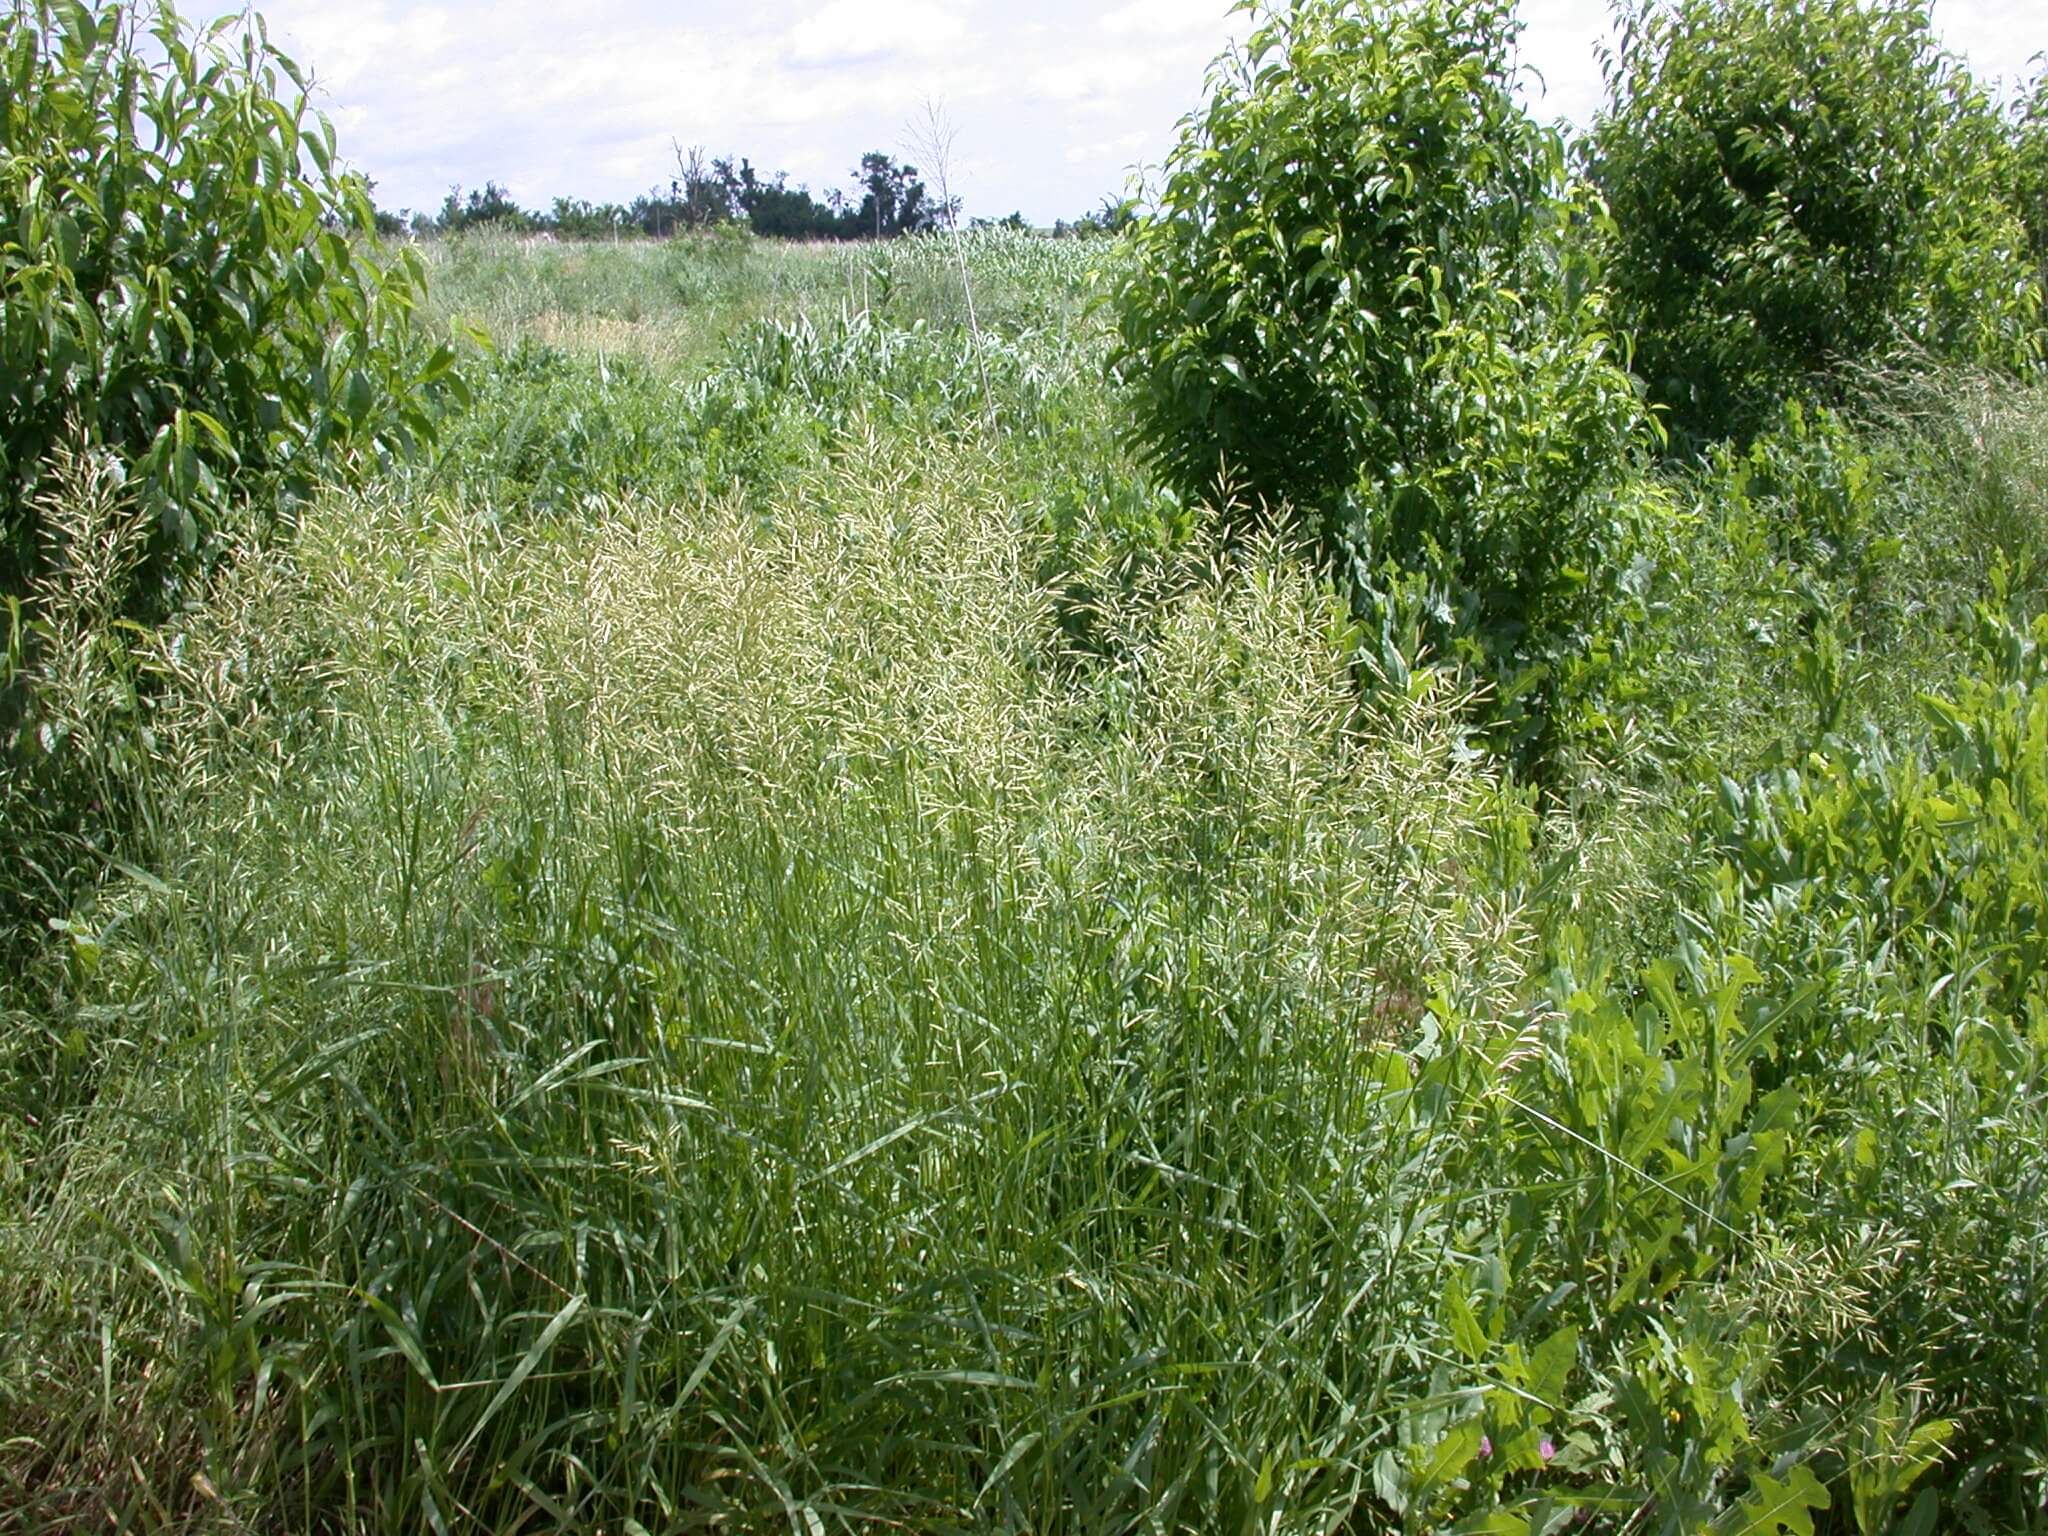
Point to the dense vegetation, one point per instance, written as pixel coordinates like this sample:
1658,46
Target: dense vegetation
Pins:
1198,883
188,311
181,285
1798,186
1398,338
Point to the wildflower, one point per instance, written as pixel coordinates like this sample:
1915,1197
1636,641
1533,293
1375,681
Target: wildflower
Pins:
1485,1447
1545,1448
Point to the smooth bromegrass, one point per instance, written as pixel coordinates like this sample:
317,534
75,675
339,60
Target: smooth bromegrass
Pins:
708,1021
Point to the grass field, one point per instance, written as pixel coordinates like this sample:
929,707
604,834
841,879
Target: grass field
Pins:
781,940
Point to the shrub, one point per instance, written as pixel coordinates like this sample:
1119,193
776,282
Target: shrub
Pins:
1796,184
1358,294
187,276
2030,170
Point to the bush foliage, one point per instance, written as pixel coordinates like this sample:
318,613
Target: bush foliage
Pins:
1795,185
2030,170
1357,295
187,275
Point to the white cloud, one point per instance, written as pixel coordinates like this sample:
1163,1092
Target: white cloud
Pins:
1562,71
1121,148
1154,20
854,31
1097,80
2004,40
1054,99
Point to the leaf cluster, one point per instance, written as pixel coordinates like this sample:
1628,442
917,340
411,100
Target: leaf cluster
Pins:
1796,185
2030,170
1361,292
188,276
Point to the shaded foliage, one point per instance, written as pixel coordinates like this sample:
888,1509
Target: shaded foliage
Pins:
1796,185
2030,169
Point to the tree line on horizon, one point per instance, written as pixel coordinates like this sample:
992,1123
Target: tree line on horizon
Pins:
889,200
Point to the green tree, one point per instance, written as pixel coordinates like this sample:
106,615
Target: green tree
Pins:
774,209
1112,217
574,218
698,190
188,278
1796,184
1356,296
491,208
893,201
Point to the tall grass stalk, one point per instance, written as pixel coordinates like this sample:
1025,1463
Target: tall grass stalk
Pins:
935,137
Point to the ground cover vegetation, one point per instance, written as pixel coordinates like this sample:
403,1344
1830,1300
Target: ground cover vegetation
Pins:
1219,881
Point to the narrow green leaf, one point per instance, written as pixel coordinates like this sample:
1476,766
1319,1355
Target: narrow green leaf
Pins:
522,1370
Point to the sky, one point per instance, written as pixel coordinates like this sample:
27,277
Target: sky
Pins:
1052,103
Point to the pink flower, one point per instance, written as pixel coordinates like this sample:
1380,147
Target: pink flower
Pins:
1485,1447
1545,1448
